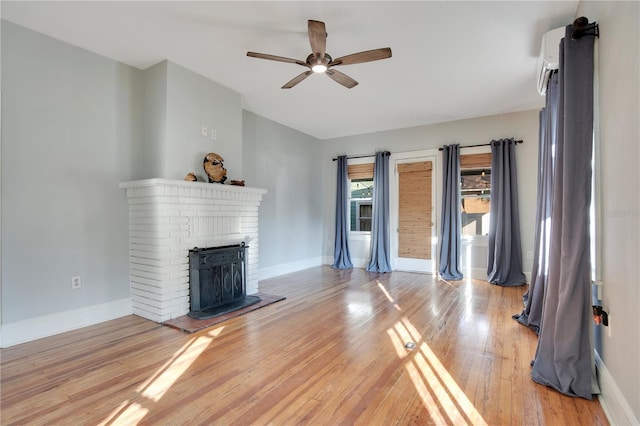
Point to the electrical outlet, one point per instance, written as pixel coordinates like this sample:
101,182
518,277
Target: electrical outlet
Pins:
76,283
204,130
529,254
214,134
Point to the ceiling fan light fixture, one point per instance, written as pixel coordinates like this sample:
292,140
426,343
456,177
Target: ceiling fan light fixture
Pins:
319,68
318,64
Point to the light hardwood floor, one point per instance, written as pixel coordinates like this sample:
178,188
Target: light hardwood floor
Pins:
332,353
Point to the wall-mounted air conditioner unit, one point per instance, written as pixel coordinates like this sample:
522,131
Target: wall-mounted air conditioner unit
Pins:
549,57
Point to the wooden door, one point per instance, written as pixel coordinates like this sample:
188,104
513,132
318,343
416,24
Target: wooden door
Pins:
415,209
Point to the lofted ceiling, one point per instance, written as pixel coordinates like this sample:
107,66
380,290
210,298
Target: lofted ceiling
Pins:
451,59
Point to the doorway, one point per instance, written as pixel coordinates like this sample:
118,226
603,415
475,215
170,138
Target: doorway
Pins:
413,208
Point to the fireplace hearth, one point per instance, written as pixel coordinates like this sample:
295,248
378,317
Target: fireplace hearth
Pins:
217,283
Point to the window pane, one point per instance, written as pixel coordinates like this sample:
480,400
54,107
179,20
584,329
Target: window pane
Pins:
365,225
361,191
361,188
476,201
365,210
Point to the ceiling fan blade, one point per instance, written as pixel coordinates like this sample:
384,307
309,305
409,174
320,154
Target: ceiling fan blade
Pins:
297,79
276,58
317,37
341,78
360,57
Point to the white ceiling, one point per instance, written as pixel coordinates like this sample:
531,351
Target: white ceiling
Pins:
451,59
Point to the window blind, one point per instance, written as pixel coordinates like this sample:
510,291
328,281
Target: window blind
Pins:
360,171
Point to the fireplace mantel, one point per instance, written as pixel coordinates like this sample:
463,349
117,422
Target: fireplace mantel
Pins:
216,188
169,217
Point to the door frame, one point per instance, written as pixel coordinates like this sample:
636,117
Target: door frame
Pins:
394,203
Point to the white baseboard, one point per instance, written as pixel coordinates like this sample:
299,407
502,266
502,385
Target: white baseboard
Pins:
287,268
614,404
481,274
360,263
357,262
30,329
474,273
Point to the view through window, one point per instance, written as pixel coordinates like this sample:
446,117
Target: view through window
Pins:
476,201
361,192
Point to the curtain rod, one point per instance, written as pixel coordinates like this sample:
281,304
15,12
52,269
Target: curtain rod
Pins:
363,156
439,149
481,144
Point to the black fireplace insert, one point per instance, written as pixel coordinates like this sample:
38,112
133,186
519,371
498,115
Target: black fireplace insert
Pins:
217,281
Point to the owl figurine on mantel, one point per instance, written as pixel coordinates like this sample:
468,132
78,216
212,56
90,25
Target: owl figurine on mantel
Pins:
214,168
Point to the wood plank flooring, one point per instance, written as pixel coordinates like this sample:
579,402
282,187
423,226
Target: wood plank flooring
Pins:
332,353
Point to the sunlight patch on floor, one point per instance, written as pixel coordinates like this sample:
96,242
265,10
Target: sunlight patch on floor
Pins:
460,398
174,368
126,414
156,386
432,380
398,344
429,403
386,293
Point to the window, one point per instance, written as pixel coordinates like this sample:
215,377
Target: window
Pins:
475,187
361,191
476,201
360,196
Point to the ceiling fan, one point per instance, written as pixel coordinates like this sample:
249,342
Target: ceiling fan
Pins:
319,61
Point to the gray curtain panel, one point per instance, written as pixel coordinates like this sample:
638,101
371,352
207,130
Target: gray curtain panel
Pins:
564,356
451,223
341,254
504,266
532,312
380,221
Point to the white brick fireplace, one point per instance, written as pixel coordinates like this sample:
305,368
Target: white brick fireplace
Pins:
167,218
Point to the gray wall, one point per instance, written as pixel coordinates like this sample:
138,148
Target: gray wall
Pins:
177,103
286,163
619,132
68,131
521,125
193,100
150,149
